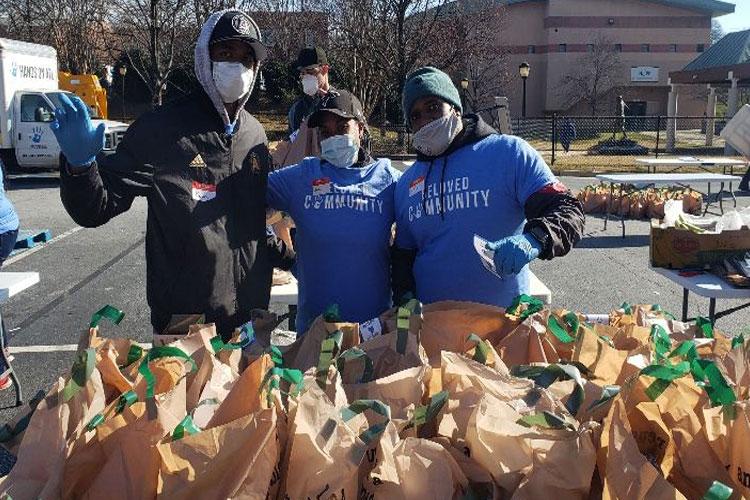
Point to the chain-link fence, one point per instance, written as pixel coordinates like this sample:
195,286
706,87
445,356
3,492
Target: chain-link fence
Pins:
608,143
592,143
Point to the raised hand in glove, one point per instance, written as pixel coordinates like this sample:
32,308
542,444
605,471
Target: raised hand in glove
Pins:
79,141
514,252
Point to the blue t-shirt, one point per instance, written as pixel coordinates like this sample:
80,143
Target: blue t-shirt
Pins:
485,187
8,216
344,218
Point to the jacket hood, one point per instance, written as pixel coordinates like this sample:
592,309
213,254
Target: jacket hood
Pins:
475,129
204,72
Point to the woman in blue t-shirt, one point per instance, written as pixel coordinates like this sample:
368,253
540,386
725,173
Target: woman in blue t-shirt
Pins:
342,206
472,191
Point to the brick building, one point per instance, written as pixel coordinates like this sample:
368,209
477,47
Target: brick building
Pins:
651,37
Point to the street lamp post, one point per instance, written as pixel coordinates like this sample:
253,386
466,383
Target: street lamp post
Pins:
465,87
123,71
523,70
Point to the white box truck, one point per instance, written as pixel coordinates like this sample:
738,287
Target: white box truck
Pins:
29,94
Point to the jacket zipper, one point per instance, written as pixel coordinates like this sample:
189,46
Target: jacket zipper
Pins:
235,252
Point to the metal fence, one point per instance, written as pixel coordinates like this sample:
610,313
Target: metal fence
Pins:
592,143
610,142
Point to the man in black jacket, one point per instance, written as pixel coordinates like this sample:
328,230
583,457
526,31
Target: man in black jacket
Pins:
202,164
476,207
313,68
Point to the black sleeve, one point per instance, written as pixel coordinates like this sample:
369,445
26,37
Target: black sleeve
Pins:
107,188
402,273
558,213
281,255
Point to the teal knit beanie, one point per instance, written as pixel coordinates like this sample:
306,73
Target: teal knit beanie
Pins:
429,81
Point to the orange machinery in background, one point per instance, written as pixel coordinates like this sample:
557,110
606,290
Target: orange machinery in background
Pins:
88,88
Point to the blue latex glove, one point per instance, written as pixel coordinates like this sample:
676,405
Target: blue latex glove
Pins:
79,141
514,252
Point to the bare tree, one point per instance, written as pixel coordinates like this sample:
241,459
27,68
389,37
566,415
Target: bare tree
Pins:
717,31
70,26
594,75
153,36
470,47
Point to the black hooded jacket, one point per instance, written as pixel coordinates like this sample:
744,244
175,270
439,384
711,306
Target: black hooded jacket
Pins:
207,250
553,209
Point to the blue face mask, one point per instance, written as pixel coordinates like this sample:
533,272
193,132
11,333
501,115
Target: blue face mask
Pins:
339,150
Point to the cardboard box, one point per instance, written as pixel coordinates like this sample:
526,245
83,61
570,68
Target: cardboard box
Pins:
679,249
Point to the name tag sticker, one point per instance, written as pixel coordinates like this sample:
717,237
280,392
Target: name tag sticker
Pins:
370,329
417,186
321,186
203,192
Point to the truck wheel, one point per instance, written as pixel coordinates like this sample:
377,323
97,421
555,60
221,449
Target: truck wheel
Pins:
6,163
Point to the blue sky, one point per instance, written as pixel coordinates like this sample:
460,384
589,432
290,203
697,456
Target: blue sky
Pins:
738,21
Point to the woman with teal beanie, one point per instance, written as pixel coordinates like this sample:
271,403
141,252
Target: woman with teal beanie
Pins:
472,190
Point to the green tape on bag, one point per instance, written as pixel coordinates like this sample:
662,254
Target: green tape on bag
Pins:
545,420
276,357
545,376
125,400
95,422
707,329
738,341
272,381
554,326
135,353
156,353
627,309
109,312
359,406
480,348
662,342
186,426
247,336
329,349
354,354
718,491
664,376
718,390
533,306
403,323
81,371
424,414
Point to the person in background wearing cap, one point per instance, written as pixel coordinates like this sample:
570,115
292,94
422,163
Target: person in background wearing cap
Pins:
342,205
313,67
469,180
202,164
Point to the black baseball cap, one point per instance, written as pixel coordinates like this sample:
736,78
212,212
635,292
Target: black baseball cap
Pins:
338,102
314,56
236,25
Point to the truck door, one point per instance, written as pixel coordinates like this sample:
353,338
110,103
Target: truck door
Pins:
36,146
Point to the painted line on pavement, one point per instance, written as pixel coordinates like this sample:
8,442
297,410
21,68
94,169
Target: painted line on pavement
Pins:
27,349
36,248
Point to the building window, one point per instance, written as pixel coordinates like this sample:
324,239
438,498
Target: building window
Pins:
531,49
645,47
618,47
590,47
700,47
673,47
563,47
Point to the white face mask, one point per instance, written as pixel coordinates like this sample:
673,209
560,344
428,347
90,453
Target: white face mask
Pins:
435,137
233,80
339,150
310,84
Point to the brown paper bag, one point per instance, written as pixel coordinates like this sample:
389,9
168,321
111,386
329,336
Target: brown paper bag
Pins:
413,468
306,143
328,439
727,431
58,420
234,460
123,445
627,474
447,325
305,351
529,343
